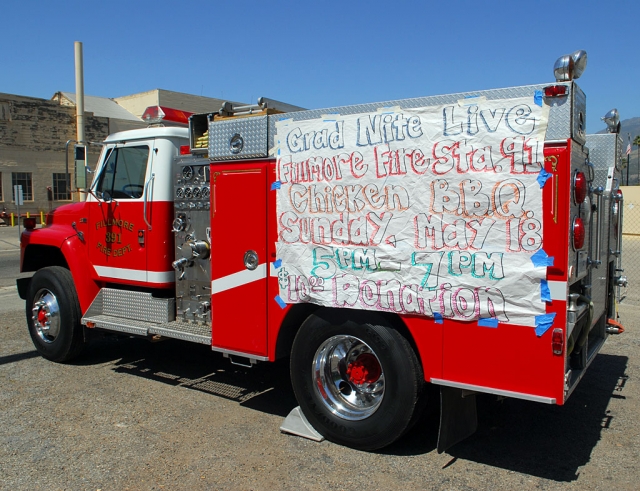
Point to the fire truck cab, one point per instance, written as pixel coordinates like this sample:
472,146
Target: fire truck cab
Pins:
456,240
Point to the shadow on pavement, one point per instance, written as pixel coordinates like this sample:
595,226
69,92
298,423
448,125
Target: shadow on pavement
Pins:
18,357
264,387
550,442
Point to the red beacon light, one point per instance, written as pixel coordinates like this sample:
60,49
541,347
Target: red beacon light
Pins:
555,91
29,223
161,115
578,233
617,195
579,187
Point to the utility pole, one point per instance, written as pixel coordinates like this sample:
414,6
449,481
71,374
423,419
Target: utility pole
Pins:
628,156
79,100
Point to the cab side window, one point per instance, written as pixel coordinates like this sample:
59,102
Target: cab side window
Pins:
124,172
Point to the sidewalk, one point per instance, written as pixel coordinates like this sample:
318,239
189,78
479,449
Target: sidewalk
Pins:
9,239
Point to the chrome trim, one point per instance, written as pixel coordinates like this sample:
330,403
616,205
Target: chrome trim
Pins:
598,192
239,353
46,316
498,392
348,377
146,198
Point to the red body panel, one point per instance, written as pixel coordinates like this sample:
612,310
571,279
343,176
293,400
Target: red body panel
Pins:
113,240
239,311
59,233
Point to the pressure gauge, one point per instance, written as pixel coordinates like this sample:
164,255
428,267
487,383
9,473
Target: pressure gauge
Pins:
187,193
187,172
196,193
205,192
179,193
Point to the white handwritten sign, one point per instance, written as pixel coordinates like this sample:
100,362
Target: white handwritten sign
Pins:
432,211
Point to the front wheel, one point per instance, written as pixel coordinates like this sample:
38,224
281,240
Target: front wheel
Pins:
358,382
53,314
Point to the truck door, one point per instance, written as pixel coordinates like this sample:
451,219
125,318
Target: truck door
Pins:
239,262
120,228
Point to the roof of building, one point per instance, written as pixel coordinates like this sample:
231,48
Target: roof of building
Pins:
102,106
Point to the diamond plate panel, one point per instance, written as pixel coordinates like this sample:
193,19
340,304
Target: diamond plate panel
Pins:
560,115
579,115
605,150
137,306
195,333
241,138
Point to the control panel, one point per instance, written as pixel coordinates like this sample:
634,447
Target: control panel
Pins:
191,226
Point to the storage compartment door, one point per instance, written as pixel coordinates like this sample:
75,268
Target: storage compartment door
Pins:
239,263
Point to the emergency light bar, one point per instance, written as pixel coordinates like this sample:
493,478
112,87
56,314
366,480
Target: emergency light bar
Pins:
159,115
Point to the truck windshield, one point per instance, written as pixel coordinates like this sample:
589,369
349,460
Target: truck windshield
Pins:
124,172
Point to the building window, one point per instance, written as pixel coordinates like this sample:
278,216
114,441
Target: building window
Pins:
60,190
22,179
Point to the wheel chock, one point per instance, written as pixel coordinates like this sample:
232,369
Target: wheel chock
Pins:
296,424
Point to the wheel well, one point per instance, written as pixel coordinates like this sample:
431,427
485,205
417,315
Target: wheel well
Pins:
299,312
39,256
295,317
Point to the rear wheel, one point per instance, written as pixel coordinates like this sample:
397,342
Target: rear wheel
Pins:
53,314
358,382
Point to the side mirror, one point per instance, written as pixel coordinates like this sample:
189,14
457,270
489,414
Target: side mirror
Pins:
80,158
106,197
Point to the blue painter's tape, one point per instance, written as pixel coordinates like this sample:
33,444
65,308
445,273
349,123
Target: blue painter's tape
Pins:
277,263
542,177
279,301
545,293
276,185
488,323
437,317
540,258
537,97
544,323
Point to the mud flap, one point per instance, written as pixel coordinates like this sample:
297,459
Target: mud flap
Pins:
458,417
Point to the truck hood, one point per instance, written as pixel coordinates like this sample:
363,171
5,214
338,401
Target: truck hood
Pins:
66,214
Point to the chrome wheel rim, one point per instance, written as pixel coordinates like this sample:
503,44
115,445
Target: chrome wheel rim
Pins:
348,377
46,316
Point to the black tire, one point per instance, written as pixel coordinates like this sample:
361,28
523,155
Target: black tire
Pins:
357,380
53,314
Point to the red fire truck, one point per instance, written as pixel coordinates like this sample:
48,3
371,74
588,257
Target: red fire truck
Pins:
453,240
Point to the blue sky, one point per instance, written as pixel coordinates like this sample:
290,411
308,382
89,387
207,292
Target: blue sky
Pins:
321,54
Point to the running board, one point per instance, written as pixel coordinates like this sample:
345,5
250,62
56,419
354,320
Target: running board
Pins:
141,314
195,333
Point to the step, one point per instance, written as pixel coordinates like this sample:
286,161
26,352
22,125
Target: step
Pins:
195,333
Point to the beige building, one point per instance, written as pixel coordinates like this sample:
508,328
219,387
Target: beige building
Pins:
34,134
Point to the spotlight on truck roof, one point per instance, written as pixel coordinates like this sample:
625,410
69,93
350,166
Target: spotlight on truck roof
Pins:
612,120
570,67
